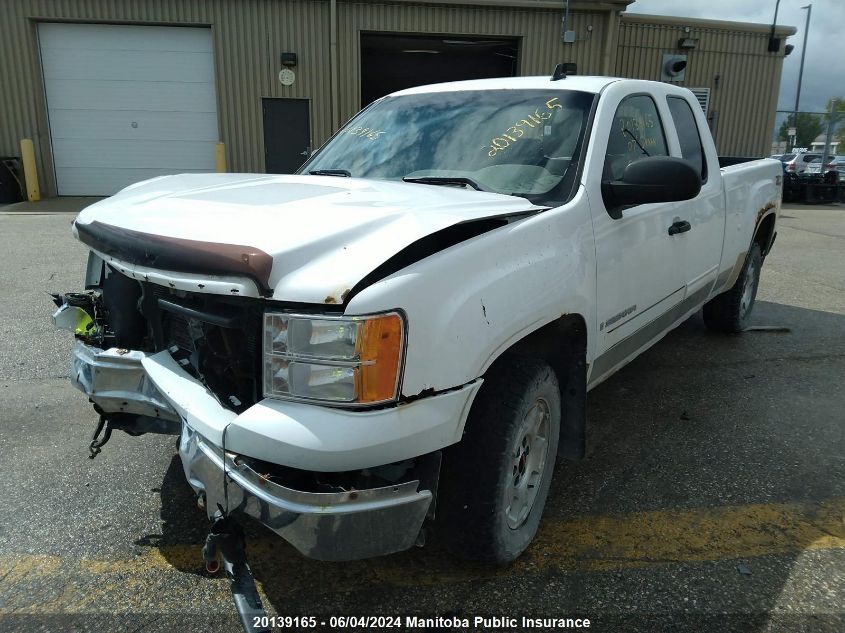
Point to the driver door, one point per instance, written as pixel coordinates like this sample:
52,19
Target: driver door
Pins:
639,265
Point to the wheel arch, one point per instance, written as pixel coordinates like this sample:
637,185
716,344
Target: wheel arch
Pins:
764,234
562,344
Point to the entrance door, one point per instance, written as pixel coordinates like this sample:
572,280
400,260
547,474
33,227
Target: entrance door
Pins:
287,135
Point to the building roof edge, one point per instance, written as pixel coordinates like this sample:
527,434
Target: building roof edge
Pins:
725,25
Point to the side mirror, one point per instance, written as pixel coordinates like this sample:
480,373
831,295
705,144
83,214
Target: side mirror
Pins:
651,179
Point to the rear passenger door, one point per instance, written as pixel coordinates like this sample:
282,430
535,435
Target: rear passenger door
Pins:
706,213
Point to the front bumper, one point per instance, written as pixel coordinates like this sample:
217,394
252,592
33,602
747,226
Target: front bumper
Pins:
115,380
293,434
327,526
345,525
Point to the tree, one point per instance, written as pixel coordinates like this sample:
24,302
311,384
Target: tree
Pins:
807,128
840,104
839,125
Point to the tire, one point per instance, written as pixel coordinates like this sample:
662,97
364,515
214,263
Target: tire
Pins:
501,449
731,310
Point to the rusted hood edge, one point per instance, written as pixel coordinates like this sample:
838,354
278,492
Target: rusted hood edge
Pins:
178,254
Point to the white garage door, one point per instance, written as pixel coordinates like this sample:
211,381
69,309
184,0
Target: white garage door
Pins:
127,103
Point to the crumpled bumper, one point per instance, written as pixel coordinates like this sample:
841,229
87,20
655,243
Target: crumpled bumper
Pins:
346,525
115,380
327,526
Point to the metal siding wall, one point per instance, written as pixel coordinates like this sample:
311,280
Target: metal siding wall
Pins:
248,37
539,32
745,98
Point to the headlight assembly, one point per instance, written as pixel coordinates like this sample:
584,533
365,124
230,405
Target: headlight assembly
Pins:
355,360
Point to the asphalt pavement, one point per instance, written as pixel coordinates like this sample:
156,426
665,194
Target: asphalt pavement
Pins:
712,496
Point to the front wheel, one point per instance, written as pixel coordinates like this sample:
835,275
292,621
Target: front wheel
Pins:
731,310
495,482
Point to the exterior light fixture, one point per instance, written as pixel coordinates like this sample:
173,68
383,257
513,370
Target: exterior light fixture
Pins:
286,75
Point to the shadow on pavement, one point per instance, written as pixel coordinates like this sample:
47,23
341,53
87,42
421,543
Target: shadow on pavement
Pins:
700,421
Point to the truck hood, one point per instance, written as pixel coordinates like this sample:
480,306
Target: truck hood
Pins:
305,239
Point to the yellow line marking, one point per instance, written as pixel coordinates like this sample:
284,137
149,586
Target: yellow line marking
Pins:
19,567
729,532
591,543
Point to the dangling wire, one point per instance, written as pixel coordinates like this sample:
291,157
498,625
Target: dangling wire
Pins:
96,445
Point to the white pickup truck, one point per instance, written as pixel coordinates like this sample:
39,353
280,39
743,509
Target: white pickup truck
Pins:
399,339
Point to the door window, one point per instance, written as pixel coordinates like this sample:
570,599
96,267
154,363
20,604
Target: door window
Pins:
636,132
688,136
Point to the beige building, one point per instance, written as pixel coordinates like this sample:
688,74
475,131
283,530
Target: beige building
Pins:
114,92
821,140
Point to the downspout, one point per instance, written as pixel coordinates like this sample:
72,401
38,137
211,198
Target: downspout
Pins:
333,63
565,18
609,55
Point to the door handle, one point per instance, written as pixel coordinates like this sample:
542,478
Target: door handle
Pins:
681,226
304,152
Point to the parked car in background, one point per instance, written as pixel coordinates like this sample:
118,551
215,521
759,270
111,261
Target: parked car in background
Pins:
783,158
835,164
798,163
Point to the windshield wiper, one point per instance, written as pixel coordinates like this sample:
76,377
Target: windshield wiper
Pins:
331,172
445,180
631,134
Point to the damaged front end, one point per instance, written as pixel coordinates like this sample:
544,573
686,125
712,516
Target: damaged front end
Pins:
112,377
154,359
119,321
105,362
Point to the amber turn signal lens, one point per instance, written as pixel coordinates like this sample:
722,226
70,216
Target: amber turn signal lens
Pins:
380,351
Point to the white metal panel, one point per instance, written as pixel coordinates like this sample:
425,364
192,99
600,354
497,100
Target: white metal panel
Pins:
127,103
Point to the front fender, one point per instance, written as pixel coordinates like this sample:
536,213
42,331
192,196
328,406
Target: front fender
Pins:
469,303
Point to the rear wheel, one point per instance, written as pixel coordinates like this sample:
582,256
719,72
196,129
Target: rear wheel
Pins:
495,482
731,310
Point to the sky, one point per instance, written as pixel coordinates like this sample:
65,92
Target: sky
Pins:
824,63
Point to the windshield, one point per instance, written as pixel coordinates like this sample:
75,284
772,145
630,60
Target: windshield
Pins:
525,143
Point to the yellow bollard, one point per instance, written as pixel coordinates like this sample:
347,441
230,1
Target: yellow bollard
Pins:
220,158
33,192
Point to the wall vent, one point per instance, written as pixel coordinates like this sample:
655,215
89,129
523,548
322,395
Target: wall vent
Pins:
703,96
